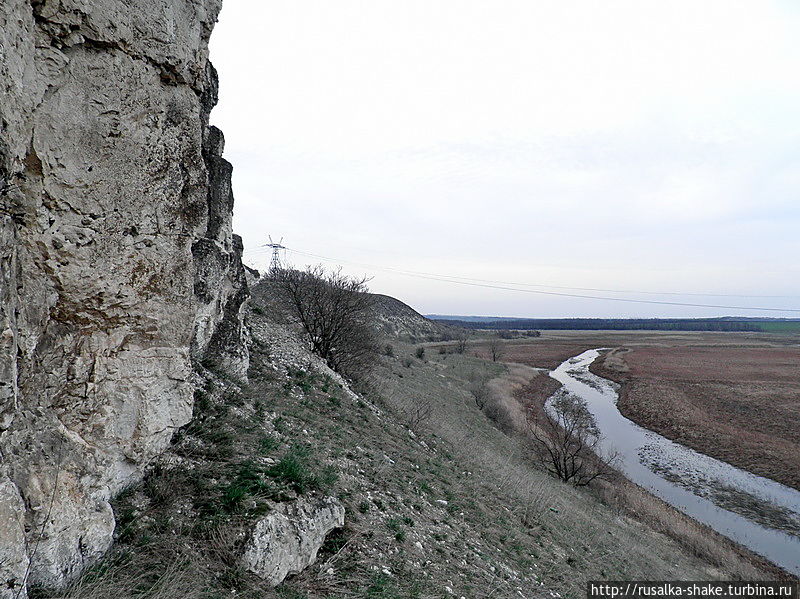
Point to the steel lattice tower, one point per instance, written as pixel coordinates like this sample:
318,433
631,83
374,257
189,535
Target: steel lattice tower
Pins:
275,263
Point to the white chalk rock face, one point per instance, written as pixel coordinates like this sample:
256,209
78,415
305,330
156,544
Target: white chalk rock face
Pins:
118,266
13,558
287,540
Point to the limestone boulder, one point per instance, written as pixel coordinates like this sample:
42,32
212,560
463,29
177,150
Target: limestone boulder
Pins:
287,540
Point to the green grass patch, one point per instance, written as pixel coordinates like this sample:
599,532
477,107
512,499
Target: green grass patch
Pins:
298,470
268,444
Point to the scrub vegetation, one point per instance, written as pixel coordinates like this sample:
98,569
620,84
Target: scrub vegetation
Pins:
443,497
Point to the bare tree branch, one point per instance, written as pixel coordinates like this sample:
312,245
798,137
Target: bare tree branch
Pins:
333,309
566,442
496,349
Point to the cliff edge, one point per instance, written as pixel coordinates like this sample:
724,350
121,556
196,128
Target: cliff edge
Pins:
120,273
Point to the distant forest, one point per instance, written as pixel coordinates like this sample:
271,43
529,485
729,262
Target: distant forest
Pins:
626,324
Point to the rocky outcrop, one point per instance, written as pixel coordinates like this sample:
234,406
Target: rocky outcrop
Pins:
13,554
119,267
287,540
393,318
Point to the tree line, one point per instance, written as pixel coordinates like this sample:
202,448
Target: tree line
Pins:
617,324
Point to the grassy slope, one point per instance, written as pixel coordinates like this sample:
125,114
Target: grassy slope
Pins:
587,538
453,505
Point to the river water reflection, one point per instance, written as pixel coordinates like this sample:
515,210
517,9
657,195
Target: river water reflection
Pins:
756,512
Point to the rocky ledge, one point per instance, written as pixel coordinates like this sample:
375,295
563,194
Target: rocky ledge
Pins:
120,273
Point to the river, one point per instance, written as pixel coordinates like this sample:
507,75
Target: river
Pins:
756,512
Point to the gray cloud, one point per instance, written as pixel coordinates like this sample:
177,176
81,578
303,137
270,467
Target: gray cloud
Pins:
629,145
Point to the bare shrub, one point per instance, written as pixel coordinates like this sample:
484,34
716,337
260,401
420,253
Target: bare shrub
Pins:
479,389
418,414
489,402
498,413
333,309
496,349
461,342
567,442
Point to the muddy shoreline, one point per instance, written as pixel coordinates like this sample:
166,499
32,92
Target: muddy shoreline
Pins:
760,514
726,434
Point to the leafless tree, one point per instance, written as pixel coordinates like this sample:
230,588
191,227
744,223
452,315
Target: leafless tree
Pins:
479,390
461,342
418,414
567,441
333,310
496,349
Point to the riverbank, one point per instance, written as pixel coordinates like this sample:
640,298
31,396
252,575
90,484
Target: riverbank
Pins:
740,405
632,501
737,504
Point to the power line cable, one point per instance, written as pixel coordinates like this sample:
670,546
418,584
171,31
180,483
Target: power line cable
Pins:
506,287
550,286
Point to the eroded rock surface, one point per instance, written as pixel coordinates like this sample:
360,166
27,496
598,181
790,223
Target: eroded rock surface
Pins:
119,266
287,540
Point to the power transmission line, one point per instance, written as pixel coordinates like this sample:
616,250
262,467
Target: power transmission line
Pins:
638,292
507,287
251,252
262,249
275,263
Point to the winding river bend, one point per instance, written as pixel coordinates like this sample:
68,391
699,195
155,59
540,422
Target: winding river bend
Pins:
756,512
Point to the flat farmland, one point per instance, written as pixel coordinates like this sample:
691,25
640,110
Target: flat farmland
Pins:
738,404
553,347
734,396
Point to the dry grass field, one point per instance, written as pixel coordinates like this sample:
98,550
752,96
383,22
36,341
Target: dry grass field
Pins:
738,404
735,396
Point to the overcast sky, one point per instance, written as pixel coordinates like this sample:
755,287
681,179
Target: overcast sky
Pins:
624,145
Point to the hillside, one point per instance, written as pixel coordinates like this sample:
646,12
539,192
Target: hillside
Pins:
393,318
437,501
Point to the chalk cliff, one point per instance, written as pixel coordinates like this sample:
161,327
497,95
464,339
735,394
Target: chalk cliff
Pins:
120,273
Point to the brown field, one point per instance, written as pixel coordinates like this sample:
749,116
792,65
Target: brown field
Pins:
759,373
553,347
734,396
738,404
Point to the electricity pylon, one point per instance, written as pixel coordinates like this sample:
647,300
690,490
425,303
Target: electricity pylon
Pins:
275,263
